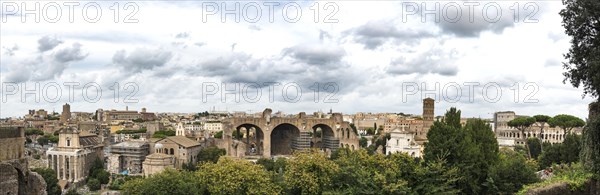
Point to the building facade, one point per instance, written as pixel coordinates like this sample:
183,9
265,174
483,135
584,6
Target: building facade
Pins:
403,141
182,149
74,154
127,157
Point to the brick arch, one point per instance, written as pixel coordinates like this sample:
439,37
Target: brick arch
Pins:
282,137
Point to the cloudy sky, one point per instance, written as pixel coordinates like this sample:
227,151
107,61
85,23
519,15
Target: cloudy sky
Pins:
349,56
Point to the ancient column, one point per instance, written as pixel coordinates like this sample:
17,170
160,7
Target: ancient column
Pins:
267,143
64,158
75,168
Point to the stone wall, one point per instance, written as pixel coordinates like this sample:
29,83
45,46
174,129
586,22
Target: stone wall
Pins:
12,143
592,187
15,178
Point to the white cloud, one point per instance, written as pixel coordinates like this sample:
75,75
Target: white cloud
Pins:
368,53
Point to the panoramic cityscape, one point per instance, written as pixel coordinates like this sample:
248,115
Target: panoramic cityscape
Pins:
300,97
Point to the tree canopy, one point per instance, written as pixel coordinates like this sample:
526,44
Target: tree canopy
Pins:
210,154
522,123
566,122
581,20
229,176
472,148
309,173
49,176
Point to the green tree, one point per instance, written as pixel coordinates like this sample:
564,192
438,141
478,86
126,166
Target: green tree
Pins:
33,131
52,138
189,166
572,148
542,120
535,147
210,154
444,137
169,181
437,177
581,23
566,152
512,172
268,164
354,128
42,140
163,134
309,173
229,176
590,147
72,191
363,142
93,184
102,176
374,126
49,176
138,120
522,124
237,135
370,131
566,122
472,149
361,173
219,135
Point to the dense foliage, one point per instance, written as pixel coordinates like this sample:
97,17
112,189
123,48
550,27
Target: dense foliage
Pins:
458,160
142,130
566,152
168,182
574,175
581,23
49,176
210,154
590,149
566,122
472,148
535,147
511,173
229,176
98,175
163,134
218,135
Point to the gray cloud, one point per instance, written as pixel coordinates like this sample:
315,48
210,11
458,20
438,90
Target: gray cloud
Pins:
376,33
182,35
45,67
48,43
10,51
323,35
73,53
254,27
552,62
472,24
304,65
316,54
141,59
556,36
200,44
434,61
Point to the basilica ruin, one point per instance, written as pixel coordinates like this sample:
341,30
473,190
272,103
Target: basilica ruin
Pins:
269,135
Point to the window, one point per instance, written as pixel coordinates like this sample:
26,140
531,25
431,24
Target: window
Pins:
68,142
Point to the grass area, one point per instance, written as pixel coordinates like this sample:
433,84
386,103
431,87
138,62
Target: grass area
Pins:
575,176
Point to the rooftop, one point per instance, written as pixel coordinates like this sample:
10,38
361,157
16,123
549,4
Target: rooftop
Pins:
184,141
132,144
